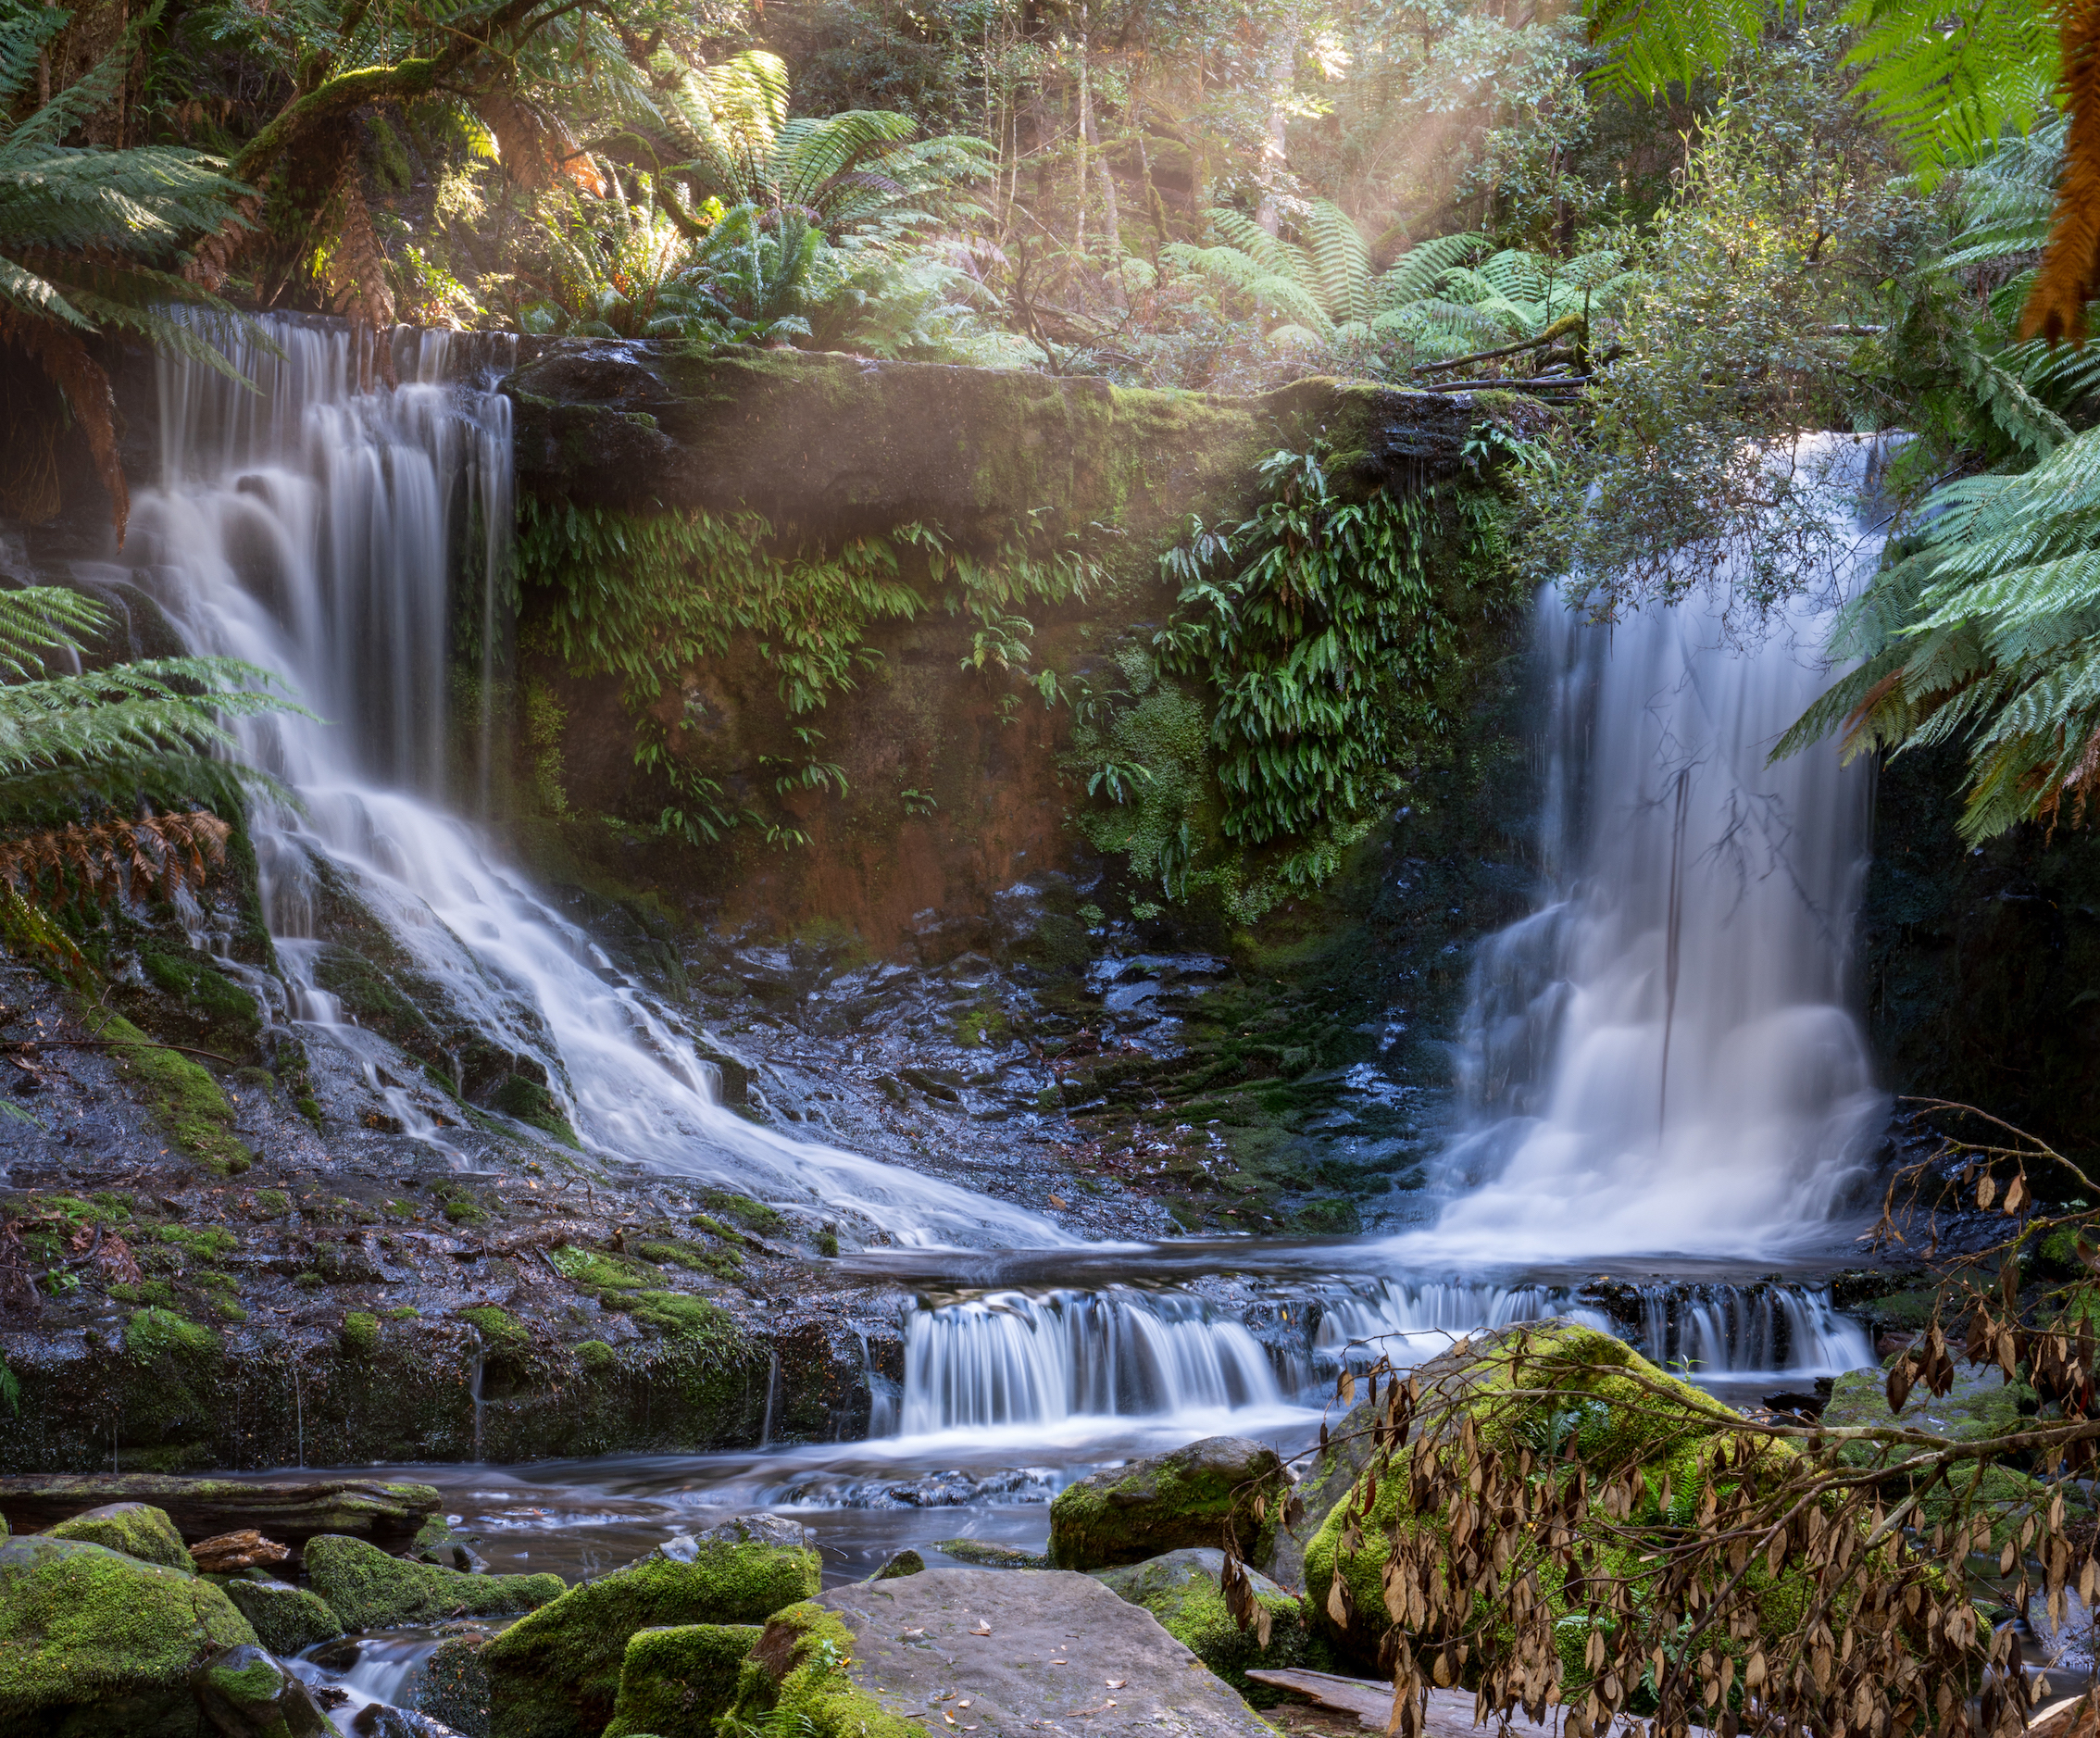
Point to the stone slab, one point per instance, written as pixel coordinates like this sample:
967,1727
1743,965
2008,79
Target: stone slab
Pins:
1047,1652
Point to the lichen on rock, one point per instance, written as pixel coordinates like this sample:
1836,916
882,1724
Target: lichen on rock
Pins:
369,1590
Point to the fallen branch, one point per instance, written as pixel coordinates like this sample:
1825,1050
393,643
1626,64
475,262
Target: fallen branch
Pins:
1559,328
1551,382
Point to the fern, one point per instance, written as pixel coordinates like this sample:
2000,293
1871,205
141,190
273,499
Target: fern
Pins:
1985,630
86,235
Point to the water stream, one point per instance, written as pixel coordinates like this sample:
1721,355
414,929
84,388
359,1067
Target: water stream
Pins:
1658,1059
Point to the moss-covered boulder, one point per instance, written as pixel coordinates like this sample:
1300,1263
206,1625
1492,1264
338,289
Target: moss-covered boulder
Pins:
1182,1590
287,1619
557,1673
368,1590
1170,1502
1332,1478
136,1529
1606,1400
98,1643
244,1691
1982,1403
798,1674
453,1686
675,1682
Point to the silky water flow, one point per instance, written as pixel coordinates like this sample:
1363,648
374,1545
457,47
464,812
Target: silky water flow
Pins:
1697,903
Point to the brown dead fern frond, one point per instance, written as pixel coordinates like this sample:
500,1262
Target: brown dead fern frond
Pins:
2070,268
213,258
91,864
356,274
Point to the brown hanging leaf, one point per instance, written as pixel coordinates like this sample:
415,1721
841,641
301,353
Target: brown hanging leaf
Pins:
2070,268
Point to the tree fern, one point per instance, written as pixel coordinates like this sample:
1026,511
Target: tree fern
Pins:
86,235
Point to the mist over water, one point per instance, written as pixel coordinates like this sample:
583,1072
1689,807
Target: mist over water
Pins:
1661,1058
313,528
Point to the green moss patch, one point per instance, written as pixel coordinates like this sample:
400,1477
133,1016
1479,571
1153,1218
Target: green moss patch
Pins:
1182,1590
752,1215
154,1334
557,1673
287,1619
501,1332
185,1100
137,1530
674,1683
368,1590
797,1675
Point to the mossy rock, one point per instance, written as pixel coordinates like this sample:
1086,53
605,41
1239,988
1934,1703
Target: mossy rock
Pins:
1334,1475
1616,1420
797,1675
557,1673
136,1529
245,1690
94,1641
454,1685
287,1619
369,1590
1182,1590
183,1097
675,1682
1980,1403
1170,1502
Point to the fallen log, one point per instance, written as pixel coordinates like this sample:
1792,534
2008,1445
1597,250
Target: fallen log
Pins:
291,1511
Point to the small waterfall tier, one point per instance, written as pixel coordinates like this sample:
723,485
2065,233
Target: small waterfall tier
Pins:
1013,1358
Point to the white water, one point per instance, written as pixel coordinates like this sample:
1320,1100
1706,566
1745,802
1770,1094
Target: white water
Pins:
1661,1058
311,530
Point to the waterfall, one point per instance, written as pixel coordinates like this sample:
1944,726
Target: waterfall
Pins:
1660,1058
1011,1358
314,530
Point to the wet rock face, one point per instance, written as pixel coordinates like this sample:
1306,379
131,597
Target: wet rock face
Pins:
245,1693
1003,1651
1170,1501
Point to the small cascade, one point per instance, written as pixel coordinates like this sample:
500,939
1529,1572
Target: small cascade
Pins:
1017,1358
1011,1358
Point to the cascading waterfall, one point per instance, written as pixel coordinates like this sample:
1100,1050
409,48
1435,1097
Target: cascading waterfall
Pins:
1014,1358
1011,1358
1660,1058
311,529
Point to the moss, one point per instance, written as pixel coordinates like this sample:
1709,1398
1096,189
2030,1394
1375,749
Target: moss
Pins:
273,1204
597,1272
287,1619
155,1292
531,1102
681,1313
752,1215
1620,1422
501,1332
797,1674
223,1004
81,1625
557,1673
360,1335
154,1334
369,1590
673,1682
827,1243
210,1243
135,1528
1185,1498
185,1100
308,1281
725,1264
454,1685
596,1357
1182,1590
